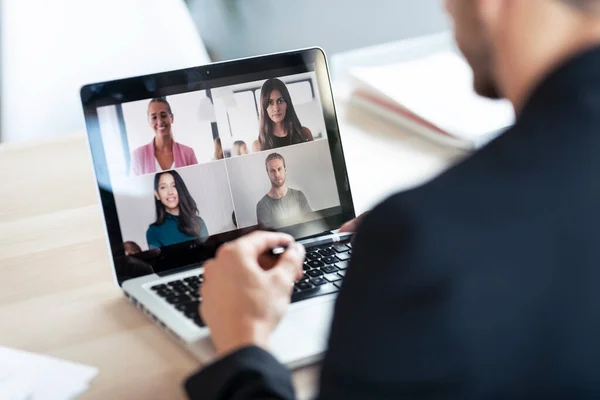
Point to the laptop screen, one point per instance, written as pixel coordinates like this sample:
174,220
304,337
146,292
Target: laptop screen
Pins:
183,167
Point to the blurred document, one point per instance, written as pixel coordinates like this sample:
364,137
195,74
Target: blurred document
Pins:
28,376
437,93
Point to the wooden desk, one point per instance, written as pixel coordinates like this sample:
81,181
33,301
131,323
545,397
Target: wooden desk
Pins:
57,295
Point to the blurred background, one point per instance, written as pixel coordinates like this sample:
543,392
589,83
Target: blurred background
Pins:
49,49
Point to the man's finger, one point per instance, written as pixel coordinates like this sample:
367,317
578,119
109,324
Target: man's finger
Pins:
290,262
260,242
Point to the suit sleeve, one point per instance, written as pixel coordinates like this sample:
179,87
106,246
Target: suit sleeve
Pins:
390,335
249,373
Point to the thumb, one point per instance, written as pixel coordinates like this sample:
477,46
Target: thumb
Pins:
290,262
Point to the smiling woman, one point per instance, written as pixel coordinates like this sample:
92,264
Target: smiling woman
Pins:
162,153
177,218
279,125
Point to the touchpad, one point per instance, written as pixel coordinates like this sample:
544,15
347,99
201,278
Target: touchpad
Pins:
301,337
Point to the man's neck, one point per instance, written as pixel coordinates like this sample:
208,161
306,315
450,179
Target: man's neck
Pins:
522,68
278,192
163,143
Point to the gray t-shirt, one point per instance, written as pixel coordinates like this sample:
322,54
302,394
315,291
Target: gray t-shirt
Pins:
291,207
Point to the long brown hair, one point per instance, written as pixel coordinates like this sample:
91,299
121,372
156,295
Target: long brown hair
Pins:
291,123
189,223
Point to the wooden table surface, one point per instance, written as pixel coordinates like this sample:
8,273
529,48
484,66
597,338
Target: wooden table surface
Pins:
57,296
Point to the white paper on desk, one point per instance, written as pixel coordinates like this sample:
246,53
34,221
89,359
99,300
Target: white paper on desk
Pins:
31,376
439,89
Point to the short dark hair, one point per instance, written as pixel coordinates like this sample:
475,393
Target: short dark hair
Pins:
274,156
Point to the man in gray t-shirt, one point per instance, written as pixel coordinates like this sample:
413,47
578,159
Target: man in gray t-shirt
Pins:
281,203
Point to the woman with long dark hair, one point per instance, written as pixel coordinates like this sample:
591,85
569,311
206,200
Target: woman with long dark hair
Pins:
177,218
279,125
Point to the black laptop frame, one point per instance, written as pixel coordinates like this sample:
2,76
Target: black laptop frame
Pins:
174,258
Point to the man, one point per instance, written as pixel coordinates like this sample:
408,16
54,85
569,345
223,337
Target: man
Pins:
280,203
480,284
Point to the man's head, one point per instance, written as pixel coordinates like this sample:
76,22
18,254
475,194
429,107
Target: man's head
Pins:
275,164
511,44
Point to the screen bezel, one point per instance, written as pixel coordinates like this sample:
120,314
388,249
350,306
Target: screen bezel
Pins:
200,78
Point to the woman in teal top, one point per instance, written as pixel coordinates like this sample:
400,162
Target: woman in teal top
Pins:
177,218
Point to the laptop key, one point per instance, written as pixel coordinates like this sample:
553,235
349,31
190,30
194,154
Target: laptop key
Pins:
342,273
329,260
314,273
344,256
159,287
313,255
321,290
199,321
315,264
165,293
179,299
338,284
304,285
342,265
188,306
318,281
178,290
327,252
181,307
340,248
306,267
328,269
333,277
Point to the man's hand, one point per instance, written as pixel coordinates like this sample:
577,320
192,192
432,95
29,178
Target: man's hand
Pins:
352,225
246,291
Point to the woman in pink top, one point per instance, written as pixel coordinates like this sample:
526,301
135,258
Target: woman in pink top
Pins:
162,153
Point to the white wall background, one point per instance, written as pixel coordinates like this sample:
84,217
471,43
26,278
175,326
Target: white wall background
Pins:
207,184
111,140
52,48
309,168
242,112
188,126
230,28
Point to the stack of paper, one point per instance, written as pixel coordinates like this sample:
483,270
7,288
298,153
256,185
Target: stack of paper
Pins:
36,377
432,96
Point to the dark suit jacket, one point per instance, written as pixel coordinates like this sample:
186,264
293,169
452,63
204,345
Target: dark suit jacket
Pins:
484,283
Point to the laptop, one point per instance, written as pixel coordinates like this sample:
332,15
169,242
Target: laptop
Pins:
187,160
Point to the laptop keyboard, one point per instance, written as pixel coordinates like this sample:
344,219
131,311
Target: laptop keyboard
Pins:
324,270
